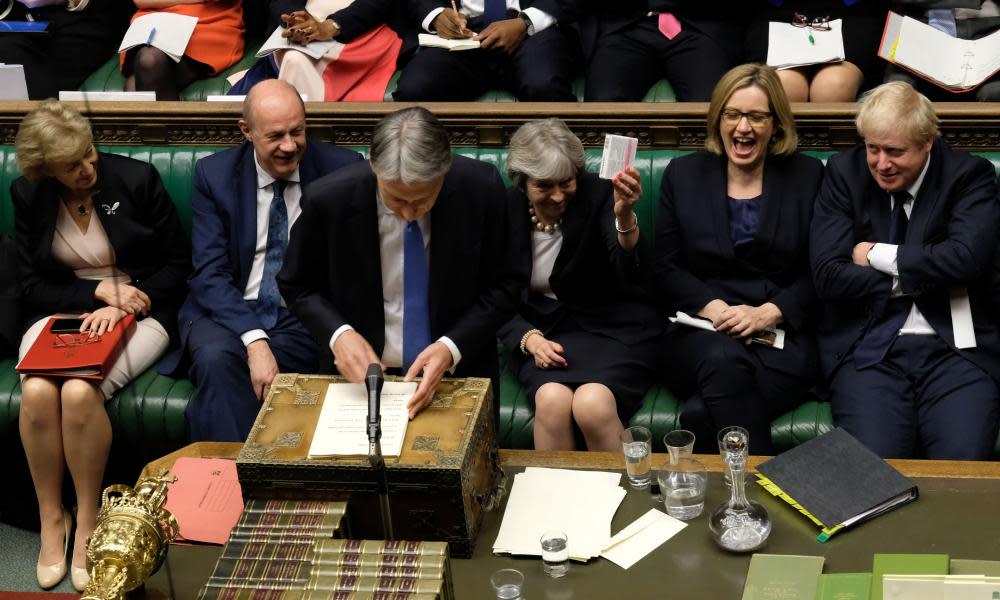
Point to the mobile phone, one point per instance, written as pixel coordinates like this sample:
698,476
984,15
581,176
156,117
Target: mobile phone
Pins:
66,326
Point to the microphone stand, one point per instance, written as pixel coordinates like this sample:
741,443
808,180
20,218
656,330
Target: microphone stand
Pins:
373,383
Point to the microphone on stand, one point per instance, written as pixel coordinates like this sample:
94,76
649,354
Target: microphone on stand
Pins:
373,383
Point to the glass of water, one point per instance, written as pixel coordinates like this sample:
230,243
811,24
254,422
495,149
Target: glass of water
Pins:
507,584
636,445
555,553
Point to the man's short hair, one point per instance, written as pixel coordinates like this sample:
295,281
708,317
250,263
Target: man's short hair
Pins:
410,145
50,134
896,106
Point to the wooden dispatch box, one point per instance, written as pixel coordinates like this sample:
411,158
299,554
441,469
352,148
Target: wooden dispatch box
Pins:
447,475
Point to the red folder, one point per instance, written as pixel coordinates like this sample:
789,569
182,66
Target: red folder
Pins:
75,354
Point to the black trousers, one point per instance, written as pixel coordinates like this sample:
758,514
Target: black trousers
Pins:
73,47
625,63
541,69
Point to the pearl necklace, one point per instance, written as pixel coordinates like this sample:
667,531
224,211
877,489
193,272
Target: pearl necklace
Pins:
539,226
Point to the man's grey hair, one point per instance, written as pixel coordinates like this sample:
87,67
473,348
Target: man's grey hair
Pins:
544,150
411,146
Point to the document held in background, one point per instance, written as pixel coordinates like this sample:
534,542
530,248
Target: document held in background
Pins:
166,31
789,46
619,152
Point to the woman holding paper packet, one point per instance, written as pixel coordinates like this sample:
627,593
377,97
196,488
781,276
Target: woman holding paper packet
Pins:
584,341
97,234
858,23
732,247
215,44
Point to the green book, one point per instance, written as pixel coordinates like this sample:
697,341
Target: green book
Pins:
782,577
960,566
905,564
843,586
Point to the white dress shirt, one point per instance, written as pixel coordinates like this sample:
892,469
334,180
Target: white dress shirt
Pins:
882,258
265,192
540,20
391,230
545,249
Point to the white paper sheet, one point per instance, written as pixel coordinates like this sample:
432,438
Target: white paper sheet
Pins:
276,42
619,152
67,95
166,31
645,534
790,46
341,429
962,326
12,83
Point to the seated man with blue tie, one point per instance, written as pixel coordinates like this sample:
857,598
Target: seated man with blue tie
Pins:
234,324
525,47
903,245
404,260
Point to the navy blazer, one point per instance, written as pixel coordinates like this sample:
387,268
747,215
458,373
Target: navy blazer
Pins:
695,262
951,242
332,273
598,283
224,233
141,224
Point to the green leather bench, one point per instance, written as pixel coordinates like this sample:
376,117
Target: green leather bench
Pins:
148,415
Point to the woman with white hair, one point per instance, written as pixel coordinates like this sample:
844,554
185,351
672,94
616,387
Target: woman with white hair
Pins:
584,339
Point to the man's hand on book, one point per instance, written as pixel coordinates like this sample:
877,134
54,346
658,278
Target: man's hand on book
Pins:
433,361
263,367
101,320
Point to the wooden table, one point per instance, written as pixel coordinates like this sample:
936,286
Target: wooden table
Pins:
957,514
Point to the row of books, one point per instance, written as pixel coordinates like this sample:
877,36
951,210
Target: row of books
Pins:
287,550
893,577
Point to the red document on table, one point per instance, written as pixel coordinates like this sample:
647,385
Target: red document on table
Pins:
75,354
206,499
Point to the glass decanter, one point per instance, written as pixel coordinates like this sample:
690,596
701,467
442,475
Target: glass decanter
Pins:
682,479
739,525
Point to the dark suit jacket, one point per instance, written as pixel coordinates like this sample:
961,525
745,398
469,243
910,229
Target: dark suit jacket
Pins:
950,243
10,291
224,234
142,226
332,274
695,262
598,284
360,17
563,11
725,24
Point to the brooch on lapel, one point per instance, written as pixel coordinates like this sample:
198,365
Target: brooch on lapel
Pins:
112,209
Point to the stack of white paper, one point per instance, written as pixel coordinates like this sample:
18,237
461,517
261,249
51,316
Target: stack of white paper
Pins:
579,503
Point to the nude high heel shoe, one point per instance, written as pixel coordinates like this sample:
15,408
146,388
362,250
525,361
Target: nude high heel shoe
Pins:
79,575
50,575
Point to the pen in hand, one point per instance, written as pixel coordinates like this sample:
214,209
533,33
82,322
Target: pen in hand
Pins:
152,32
454,7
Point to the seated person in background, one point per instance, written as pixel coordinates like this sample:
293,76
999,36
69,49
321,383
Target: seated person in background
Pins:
10,291
367,52
526,48
629,45
217,43
732,239
973,20
862,24
583,344
97,234
81,36
405,260
903,238
234,323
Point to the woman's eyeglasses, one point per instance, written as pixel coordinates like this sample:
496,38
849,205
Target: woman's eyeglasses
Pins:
755,118
817,24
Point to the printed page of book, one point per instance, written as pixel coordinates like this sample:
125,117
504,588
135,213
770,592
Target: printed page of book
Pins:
166,31
314,49
435,41
790,46
341,429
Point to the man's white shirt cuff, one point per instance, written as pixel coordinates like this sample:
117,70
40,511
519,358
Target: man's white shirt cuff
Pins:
252,336
540,20
882,258
455,354
336,334
428,20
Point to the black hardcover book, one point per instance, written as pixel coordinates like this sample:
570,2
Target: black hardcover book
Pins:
836,481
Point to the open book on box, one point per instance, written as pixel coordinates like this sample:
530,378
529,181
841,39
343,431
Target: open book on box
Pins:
435,41
166,31
836,482
341,429
954,64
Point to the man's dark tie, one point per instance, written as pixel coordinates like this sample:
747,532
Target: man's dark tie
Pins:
268,299
876,341
416,314
494,10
